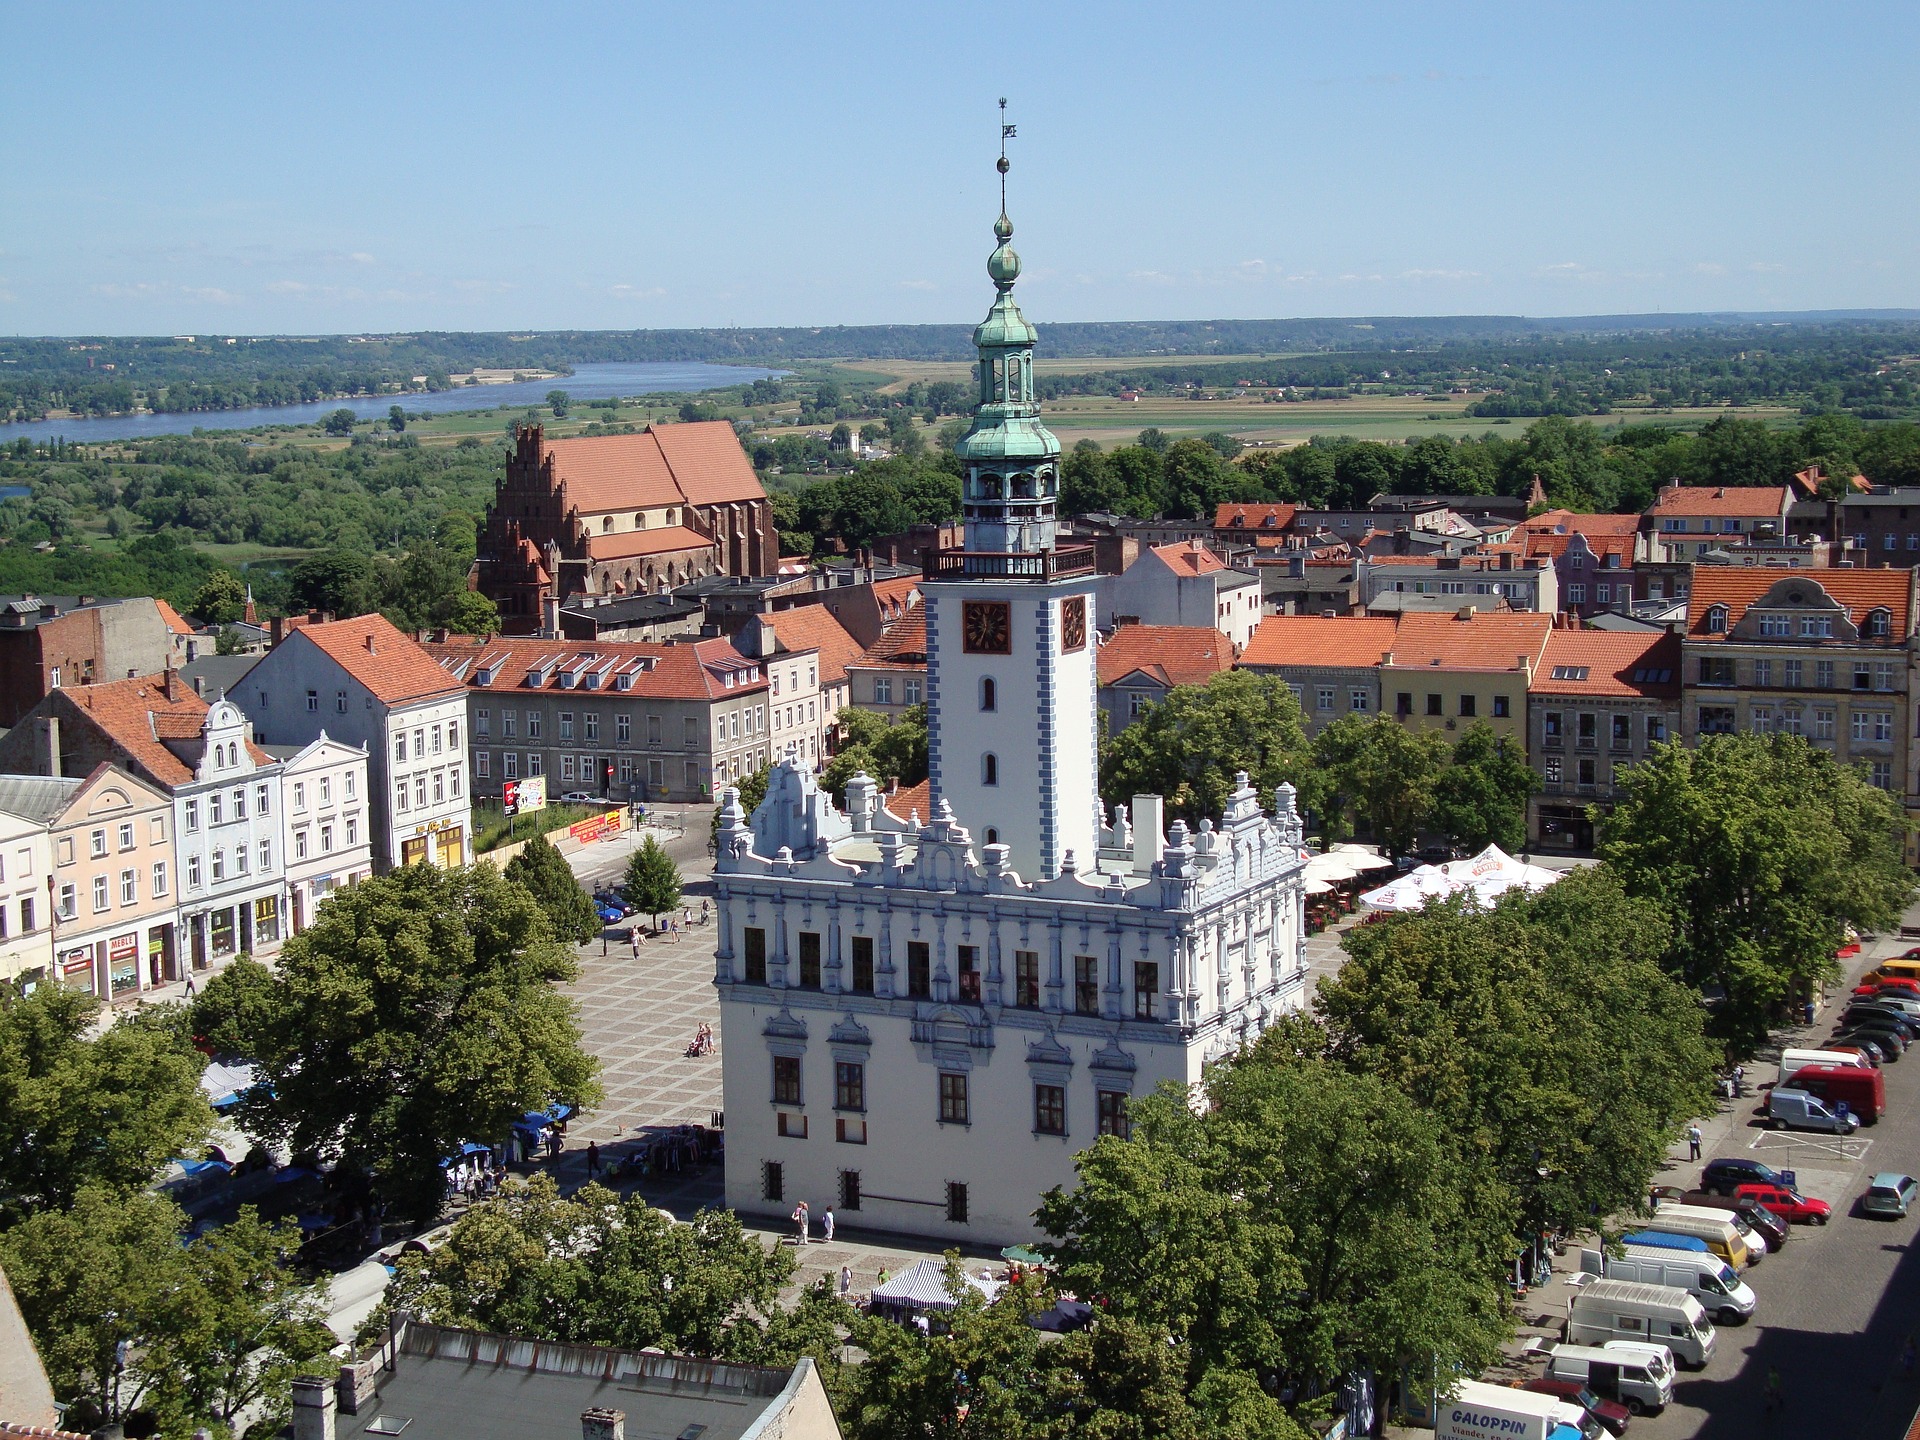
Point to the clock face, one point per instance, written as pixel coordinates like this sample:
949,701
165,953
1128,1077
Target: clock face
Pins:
987,627
1073,624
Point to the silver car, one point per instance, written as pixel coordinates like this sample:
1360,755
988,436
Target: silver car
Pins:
1889,1194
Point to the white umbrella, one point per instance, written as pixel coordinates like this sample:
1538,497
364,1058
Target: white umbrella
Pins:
1410,891
1330,867
1318,887
1361,858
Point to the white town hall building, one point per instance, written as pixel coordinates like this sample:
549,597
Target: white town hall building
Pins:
926,1018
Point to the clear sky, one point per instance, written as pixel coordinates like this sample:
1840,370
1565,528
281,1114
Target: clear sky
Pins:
325,167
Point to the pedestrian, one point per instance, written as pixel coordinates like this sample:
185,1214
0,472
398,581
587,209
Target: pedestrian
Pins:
883,1276
593,1159
703,912
1773,1398
1739,1079
800,1222
634,936
686,915
1693,1141
826,1225
846,1284
189,987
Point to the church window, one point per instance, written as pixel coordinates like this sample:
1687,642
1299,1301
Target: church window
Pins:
989,769
988,698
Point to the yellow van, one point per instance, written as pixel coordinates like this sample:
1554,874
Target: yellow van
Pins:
1897,970
1722,1236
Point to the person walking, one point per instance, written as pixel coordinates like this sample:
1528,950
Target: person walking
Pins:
826,1225
1773,1397
593,1159
1693,1141
801,1220
846,1284
634,936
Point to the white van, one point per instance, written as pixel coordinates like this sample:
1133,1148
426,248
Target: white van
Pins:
1627,1310
1664,1210
1794,1060
1703,1275
1476,1410
1788,1108
1715,1227
1638,1377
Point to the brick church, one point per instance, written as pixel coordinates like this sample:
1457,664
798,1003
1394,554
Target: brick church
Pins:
620,515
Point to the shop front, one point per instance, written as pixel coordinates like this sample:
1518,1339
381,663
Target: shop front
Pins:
163,960
77,965
1565,827
442,843
123,963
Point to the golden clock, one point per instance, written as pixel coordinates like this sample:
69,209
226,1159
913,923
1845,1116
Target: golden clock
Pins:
1073,623
987,627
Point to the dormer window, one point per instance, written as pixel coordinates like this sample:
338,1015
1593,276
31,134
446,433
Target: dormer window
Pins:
1877,626
1716,619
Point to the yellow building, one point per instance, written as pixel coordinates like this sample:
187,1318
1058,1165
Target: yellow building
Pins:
1445,672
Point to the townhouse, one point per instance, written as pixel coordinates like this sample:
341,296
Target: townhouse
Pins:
1184,584
111,883
1397,584
1448,672
1139,664
326,833
890,676
1689,520
806,651
1600,701
612,722
1331,664
27,803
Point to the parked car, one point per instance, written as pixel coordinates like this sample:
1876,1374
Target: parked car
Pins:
1890,1194
1726,1176
1888,985
1610,1413
580,797
614,899
1771,1227
1866,1050
1789,1204
1791,1109
609,914
1904,1008
1889,1039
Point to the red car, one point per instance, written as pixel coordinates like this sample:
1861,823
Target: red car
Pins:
1612,1415
1888,985
1789,1205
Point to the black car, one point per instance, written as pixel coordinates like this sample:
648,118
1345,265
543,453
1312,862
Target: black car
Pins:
1868,1009
1892,1040
1722,1176
1772,1228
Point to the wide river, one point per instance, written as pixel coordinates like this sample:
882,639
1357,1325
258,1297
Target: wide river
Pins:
588,382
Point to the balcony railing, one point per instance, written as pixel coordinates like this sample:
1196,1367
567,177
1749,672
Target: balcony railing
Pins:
1060,564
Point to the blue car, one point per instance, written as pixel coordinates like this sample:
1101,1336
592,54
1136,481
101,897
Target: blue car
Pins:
609,914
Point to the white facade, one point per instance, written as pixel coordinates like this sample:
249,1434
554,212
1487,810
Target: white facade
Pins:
1157,591
326,829
26,915
227,829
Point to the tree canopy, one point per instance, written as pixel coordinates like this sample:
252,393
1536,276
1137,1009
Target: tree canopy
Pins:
885,747
546,876
1376,767
652,883
1187,748
419,1011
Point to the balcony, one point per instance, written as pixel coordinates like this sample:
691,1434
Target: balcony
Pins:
1063,563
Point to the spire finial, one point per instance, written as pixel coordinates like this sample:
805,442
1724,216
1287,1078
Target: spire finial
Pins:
1007,132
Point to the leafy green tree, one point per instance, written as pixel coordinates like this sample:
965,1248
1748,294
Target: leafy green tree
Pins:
652,883
338,422
472,613
1188,747
1381,769
339,581
419,1011
1542,1033
599,1268
221,598
1481,797
396,419
1155,439
1761,850
81,1110
228,641
558,401
545,874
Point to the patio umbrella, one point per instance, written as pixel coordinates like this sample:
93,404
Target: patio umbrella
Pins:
1361,858
1317,887
1411,891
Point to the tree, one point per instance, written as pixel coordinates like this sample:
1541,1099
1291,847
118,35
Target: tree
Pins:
1381,769
1481,797
78,1110
338,422
1761,850
339,581
545,874
221,598
419,1011
1188,747
603,1269
652,883
558,401
753,789
472,613
396,419
229,641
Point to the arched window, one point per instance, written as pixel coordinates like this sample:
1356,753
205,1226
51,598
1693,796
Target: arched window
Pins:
640,521
989,769
1877,621
989,697
1716,619
606,526
993,836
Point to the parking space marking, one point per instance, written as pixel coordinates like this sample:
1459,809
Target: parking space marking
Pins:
1852,1149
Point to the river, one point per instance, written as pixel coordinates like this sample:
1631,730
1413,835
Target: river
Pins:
588,382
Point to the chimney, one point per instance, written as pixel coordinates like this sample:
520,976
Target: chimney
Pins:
314,1403
1525,667
166,682
53,746
599,1424
550,616
372,649
1148,843
200,685
1506,559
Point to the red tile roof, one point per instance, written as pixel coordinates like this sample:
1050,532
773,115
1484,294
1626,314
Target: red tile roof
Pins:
1551,546
1738,587
626,544
1757,502
1171,654
700,463
694,671
392,667
160,735
1343,642
1483,641
897,596
1573,521
909,801
172,618
813,627
1189,557
1254,517
1619,663
902,644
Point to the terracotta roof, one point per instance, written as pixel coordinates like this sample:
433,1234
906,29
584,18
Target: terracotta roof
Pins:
912,800
813,627
1343,642
896,596
627,544
695,671
1189,557
1483,641
1610,662
172,617
387,662
700,463
1171,654
1733,501
1254,517
156,732
1573,521
1551,546
1738,587
903,643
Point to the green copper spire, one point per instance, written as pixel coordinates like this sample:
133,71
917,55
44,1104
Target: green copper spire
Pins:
1013,461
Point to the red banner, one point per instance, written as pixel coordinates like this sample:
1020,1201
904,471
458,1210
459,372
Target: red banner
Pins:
597,828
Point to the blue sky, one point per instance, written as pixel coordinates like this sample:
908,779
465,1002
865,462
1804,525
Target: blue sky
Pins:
324,168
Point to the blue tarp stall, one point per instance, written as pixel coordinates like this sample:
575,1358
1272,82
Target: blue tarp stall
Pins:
472,1147
224,1085
528,1127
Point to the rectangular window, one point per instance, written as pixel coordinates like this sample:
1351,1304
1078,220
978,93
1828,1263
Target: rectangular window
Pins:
912,691
786,1080
566,725
809,960
953,1098
1880,774
353,830
1550,725
1761,719
266,849
1790,672
509,724
849,1086
483,764
956,1203
1656,729
1323,698
1026,979
1049,1110
509,768
1467,703
340,701
1823,724
1552,766
70,902
919,969
1586,727
313,699
100,892
260,793
193,872
591,721
1576,594
1146,990
300,843
1501,707
483,722
219,858
862,964
754,955
129,887
97,844
882,691
533,724
160,880
1763,673
420,786
622,728
1359,701
1857,729
1883,675
1086,985
299,797
1622,729
1113,1114
1587,768
850,1188
240,859
1403,703
126,836
772,1181
1434,705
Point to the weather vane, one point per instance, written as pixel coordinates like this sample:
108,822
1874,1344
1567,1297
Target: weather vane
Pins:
1007,132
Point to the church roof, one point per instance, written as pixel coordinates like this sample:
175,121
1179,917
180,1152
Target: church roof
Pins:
628,544
695,463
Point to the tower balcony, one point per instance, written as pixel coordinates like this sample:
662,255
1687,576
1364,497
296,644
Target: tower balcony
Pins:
1066,562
